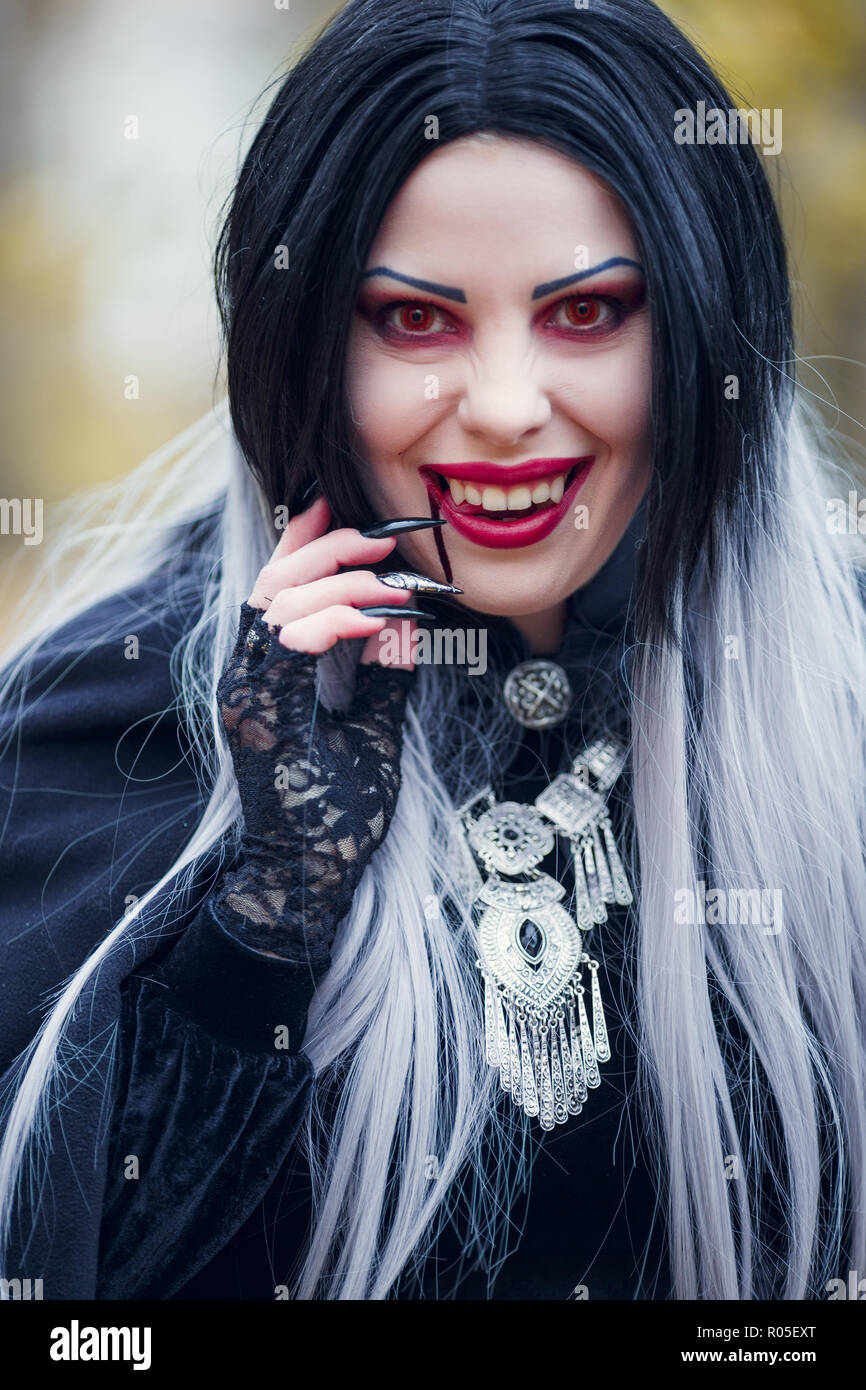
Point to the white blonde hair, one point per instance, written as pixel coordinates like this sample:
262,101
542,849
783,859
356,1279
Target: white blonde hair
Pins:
774,752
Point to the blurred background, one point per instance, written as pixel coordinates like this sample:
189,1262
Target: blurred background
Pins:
122,125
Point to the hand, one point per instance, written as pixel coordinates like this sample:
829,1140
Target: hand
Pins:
301,590
317,790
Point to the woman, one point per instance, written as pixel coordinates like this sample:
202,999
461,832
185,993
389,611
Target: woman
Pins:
464,247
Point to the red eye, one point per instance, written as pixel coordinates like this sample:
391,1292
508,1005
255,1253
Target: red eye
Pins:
582,312
587,315
415,317
400,319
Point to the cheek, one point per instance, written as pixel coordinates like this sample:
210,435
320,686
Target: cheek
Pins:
611,394
383,397
387,401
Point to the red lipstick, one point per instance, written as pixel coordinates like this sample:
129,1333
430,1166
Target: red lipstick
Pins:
479,526
509,476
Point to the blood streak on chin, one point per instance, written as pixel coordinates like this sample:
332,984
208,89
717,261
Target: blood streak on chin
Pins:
440,540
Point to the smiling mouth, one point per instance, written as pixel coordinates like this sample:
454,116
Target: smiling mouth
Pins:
474,498
499,503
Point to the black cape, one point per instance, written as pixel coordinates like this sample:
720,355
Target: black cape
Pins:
173,1169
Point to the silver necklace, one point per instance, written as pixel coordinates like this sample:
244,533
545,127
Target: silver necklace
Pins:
530,950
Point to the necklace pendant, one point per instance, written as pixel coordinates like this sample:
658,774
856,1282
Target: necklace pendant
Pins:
604,759
510,838
573,807
538,694
528,944
530,954
545,1038
581,813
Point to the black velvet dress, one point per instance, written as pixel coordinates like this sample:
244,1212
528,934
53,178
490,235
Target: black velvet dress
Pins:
186,1182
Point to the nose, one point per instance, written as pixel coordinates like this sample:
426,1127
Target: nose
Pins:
503,399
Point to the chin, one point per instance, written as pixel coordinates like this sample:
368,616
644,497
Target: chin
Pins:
514,586
502,602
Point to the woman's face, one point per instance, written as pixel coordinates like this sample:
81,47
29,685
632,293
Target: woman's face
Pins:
488,371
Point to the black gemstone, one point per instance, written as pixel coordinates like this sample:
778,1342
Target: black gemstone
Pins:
531,939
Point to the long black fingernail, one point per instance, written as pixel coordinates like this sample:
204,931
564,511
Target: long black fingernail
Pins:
399,525
308,492
387,611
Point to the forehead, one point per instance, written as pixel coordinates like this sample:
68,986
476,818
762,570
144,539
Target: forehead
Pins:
487,202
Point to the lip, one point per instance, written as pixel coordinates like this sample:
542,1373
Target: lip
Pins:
510,475
506,535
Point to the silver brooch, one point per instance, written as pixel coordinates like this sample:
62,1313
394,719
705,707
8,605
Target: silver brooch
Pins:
538,694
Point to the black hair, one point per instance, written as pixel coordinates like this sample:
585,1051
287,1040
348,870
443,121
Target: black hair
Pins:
601,85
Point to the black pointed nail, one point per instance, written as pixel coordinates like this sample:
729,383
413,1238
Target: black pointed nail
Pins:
308,492
385,610
399,525
416,583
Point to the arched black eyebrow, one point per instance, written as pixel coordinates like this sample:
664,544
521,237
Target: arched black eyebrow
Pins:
453,292
552,285
447,291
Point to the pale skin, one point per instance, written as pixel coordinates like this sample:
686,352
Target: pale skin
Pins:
531,362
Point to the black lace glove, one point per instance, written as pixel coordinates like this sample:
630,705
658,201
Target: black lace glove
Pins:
317,790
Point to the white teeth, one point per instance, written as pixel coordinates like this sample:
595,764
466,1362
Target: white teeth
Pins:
557,488
512,499
493,499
